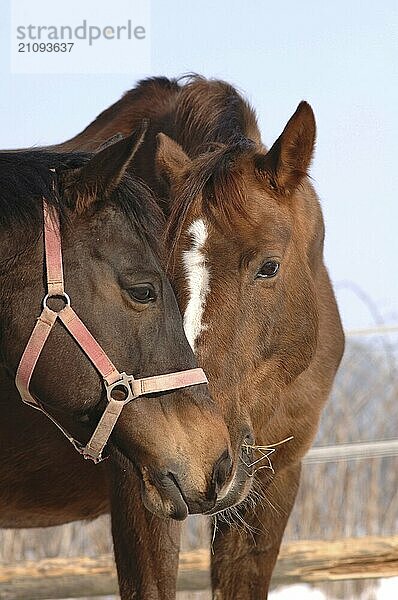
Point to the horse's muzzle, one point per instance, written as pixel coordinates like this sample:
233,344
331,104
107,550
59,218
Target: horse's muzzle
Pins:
177,501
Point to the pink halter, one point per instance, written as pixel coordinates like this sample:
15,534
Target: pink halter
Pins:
132,388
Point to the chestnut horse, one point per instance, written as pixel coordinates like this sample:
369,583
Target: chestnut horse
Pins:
173,446
245,238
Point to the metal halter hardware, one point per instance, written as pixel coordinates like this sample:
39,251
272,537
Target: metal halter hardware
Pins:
112,378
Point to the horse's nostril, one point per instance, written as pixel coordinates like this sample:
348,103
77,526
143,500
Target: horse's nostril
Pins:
221,472
248,439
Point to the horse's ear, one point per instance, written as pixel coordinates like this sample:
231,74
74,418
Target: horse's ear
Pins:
289,159
102,174
171,159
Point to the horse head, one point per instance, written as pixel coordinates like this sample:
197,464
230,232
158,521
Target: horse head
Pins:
176,441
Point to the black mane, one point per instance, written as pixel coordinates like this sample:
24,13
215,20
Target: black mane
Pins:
26,177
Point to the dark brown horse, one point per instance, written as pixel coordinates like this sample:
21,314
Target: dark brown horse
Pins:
245,243
172,449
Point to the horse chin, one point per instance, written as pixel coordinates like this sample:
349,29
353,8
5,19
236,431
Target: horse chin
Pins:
165,498
161,495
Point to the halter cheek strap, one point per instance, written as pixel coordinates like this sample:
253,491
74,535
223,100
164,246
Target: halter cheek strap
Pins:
112,378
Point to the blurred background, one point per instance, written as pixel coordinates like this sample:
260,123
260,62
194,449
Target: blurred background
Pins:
342,58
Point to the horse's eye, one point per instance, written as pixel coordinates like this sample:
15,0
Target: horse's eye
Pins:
143,293
268,269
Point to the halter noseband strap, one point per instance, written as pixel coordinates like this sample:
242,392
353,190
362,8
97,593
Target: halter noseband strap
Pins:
132,388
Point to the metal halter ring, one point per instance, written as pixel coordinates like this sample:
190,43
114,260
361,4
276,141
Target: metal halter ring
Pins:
124,384
64,296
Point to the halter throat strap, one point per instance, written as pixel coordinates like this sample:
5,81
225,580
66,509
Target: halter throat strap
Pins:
112,378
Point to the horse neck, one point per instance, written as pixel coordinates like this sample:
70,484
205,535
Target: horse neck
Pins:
8,391
152,99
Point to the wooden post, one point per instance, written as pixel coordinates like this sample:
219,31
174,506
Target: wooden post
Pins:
303,561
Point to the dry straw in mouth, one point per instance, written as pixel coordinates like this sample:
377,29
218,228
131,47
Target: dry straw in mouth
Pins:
265,453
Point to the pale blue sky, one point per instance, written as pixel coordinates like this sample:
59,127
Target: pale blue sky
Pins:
341,56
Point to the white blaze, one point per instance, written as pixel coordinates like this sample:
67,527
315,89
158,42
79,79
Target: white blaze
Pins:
198,279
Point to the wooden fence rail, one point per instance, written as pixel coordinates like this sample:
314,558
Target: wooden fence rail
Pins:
303,561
